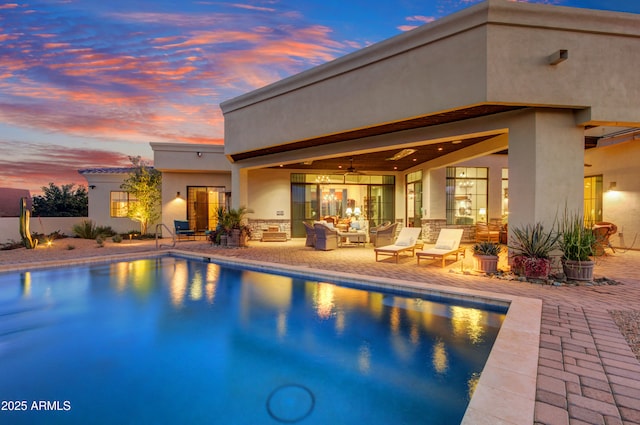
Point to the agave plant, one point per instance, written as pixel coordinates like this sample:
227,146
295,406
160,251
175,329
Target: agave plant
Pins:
532,245
533,241
486,248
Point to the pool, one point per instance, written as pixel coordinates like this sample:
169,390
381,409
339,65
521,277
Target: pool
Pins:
171,340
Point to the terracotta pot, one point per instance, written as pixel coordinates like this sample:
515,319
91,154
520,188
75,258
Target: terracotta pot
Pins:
578,270
485,263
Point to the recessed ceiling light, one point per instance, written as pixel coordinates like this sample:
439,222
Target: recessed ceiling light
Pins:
415,159
395,168
401,154
440,148
455,142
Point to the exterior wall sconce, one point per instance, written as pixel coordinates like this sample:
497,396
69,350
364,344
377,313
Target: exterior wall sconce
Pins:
199,154
177,195
612,186
559,56
92,186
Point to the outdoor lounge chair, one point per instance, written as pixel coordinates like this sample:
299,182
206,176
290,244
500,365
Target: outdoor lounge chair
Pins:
326,237
448,243
407,240
182,229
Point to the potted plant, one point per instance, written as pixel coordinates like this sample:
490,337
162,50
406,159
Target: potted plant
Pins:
532,245
234,222
485,256
576,242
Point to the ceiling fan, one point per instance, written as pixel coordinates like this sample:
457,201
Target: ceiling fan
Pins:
351,169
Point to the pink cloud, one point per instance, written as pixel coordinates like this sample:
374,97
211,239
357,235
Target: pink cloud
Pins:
56,164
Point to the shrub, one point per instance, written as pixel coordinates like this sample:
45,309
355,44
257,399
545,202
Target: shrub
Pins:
11,245
105,231
116,238
70,247
100,241
577,239
86,229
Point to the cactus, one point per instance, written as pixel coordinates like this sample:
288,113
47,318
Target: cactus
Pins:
25,215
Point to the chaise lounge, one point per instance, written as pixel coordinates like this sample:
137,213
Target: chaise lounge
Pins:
406,241
448,243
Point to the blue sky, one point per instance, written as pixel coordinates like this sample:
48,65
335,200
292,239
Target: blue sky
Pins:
87,83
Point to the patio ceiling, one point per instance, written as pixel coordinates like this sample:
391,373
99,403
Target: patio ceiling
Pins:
383,161
380,161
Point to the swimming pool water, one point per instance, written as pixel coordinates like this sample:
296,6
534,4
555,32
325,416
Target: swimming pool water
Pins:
175,341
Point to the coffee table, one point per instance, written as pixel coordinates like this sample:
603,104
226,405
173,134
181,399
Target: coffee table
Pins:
350,238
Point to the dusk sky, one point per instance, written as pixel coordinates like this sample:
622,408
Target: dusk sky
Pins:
87,83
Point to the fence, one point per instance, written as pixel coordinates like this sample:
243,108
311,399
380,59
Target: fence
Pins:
10,226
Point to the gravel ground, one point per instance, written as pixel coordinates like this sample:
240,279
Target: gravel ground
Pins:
629,324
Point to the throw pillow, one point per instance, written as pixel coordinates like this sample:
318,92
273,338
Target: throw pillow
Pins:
445,244
406,241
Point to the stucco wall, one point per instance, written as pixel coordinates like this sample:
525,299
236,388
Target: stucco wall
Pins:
100,187
269,192
521,38
175,208
10,226
189,157
619,163
427,79
493,52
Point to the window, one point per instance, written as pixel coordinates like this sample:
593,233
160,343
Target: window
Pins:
367,198
414,199
593,199
467,195
120,202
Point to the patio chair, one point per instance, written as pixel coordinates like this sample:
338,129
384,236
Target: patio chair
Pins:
407,240
373,231
487,232
327,238
603,231
384,235
182,229
448,243
311,234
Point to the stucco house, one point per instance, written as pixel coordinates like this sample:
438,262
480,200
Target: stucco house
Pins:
504,111
451,122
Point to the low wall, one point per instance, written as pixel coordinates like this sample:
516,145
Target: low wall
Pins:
10,226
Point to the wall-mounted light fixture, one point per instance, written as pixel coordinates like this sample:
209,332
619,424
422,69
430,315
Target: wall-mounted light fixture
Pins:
199,154
177,194
612,186
559,56
92,186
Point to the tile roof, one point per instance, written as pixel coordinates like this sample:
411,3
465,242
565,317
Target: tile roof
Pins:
122,170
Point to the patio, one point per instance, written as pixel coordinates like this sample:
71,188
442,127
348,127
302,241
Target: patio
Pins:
587,372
